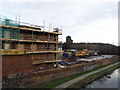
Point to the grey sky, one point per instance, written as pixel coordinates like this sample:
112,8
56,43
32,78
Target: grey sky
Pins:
83,20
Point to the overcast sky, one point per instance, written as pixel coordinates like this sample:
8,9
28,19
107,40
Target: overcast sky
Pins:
83,20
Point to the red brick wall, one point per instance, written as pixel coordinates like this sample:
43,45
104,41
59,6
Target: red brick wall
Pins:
16,64
22,63
42,57
27,47
26,35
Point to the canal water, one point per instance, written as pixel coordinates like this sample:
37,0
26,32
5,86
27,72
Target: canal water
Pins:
109,81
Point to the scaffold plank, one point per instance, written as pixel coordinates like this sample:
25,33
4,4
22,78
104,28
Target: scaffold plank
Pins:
11,52
38,62
6,39
44,51
30,29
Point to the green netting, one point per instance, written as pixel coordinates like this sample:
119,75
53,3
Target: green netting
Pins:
11,22
0,32
15,34
10,33
1,23
6,33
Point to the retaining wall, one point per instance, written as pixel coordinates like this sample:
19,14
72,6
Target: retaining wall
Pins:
41,77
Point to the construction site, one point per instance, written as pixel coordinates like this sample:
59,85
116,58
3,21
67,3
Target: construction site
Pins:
33,54
45,44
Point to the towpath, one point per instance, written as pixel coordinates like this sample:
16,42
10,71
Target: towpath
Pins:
68,83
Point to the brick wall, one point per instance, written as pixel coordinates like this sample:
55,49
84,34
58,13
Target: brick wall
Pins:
48,75
52,74
16,64
22,63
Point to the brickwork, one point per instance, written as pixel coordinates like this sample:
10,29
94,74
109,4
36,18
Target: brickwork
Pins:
42,57
44,76
16,64
24,63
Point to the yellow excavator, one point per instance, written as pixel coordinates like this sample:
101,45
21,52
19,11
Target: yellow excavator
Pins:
84,52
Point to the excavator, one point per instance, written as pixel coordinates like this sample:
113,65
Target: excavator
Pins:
84,52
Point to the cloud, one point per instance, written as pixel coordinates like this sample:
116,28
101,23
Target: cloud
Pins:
84,20
105,30
61,1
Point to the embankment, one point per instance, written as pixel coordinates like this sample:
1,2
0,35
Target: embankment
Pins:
82,83
43,77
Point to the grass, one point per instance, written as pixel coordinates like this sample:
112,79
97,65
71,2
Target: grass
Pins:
60,81
82,83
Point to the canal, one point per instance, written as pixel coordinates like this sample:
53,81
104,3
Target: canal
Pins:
109,81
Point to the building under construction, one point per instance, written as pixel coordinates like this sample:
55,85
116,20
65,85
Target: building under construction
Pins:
27,48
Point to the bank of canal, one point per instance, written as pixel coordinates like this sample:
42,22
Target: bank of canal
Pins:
83,80
111,80
96,76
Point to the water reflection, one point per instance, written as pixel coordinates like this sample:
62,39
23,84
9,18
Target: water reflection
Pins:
108,81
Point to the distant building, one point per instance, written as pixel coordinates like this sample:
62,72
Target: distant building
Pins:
102,48
69,40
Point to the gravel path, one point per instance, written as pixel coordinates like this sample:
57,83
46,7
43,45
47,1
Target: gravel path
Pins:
68,83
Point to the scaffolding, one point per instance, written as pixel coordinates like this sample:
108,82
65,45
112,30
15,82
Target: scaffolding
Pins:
25,38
